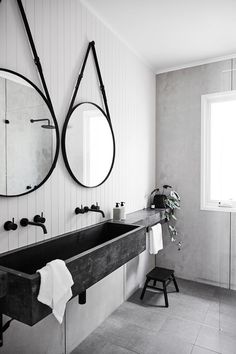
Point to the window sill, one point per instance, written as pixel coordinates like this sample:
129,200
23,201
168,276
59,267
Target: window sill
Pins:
217,208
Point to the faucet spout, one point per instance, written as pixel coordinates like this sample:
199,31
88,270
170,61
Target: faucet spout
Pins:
100,211
96,211
38,224
25,222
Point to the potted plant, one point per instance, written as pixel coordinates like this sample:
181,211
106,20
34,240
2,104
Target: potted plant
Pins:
170,201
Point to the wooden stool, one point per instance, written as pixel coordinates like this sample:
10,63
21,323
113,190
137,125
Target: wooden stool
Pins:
163,275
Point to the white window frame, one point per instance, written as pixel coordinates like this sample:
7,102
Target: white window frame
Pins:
205,202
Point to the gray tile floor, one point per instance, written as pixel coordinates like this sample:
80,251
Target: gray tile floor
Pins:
201,319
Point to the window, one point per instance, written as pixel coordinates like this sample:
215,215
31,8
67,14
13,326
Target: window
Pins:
218,165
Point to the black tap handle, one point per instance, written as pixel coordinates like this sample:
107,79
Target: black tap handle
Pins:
10,225
79,210
14,225
95,207
42,218
38,218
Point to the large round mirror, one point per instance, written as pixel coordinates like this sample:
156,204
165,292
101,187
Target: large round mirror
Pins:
88,144
29,136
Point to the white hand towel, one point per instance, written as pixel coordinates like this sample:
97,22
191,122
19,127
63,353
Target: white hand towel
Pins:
155,239
55,287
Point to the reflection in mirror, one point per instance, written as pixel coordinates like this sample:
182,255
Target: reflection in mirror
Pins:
27,149
89,145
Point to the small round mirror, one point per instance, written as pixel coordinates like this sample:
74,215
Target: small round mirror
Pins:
29,136
88,145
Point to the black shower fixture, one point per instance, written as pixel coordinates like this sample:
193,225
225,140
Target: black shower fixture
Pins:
45,126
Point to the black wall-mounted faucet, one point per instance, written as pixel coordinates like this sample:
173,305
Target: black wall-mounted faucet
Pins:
95,208
10,225
25,222
86,209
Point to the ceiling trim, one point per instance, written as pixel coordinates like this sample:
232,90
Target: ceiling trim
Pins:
196,63
116,34
142,58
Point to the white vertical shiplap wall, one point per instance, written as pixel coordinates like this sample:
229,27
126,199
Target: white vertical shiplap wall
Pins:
62,30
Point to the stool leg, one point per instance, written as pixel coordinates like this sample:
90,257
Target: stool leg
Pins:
175,283
154,282
144,289
165,295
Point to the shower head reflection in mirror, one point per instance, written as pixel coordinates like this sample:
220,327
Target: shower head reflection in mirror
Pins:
45,126
27,153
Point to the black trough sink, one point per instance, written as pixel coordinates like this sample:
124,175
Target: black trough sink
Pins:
90,254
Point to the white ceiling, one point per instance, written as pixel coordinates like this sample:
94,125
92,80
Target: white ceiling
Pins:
172,34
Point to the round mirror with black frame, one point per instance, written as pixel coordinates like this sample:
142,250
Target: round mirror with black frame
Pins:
88,144
29,135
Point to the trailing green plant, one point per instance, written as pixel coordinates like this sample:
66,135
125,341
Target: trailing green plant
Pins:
171,201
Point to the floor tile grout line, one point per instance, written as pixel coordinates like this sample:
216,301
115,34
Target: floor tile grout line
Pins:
142,327
192,348
130,350
210,350
121,346
197,335
196,322
186,319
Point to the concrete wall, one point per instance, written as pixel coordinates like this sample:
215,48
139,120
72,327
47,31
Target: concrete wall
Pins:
62,30
205,234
